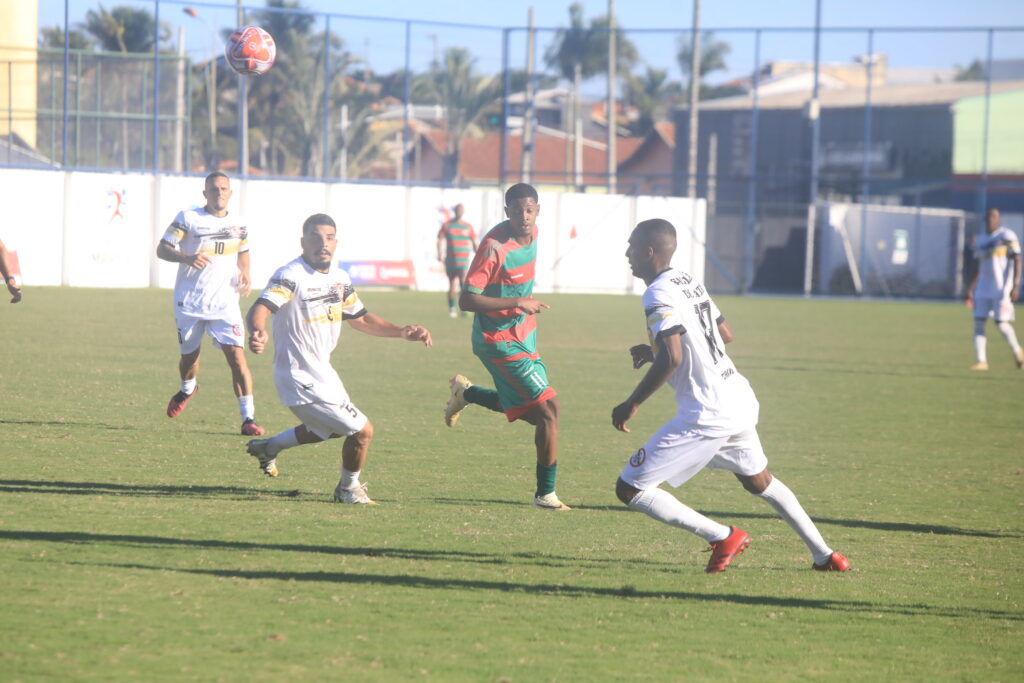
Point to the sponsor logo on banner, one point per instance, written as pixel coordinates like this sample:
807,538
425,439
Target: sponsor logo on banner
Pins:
638,458
384,273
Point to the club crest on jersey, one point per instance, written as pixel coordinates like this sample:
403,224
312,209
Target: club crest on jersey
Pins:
236,330
638,458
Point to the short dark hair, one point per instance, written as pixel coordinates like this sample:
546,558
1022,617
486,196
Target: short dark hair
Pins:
658,233
520,191
989,210
318,219
215,174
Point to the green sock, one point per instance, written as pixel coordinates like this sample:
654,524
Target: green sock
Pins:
451,304
546,479
488,398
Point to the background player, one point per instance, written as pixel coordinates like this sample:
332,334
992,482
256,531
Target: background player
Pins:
211,249
498,289
310,298
995,287
10,279
715,424
460,241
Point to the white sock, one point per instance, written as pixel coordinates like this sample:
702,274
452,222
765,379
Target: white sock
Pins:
979,341
188,386
247,407
279,442
785,503
1006,329
349,480
663,506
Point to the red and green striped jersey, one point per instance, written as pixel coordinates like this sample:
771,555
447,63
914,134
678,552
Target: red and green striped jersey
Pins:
503,268
458,237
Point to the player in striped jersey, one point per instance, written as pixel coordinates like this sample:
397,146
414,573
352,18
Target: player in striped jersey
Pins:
460,243
498,290
714,426
995,287
310,298
211,248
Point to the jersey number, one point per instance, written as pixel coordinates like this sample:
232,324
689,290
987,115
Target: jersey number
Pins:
703,311
218,247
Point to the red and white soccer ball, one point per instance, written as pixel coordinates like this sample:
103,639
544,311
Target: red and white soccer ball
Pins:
250,51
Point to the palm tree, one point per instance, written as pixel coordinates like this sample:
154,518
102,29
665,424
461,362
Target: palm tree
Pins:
580,52
53,37
652,94
712,56
463,95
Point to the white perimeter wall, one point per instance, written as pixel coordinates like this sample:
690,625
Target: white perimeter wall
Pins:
101,229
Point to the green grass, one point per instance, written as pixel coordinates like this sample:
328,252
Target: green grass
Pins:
134,547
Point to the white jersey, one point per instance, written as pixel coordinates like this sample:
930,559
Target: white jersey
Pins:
309,307
995,254
713,397
210,292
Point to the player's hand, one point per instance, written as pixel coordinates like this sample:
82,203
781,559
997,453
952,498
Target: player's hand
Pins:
258,341
198,261
244,287
622,413
531,306
1015,294
641,353
417,333
969,301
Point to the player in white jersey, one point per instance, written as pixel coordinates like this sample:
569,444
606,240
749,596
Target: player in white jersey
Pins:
714,426
309,299
211,248
995,287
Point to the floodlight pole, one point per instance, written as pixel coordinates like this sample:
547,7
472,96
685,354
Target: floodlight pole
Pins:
610,114
243,106
814,113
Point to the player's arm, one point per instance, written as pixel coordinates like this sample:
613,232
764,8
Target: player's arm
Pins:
376,326
1015,292
725,331
668,357
970,288
13,286
166,251
481,303
244,283
256,320
440,241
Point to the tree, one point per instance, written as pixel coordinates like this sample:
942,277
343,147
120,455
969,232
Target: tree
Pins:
53,37
975,71
712,57
652,94
123,29
464,95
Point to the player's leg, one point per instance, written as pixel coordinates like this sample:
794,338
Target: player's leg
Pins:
190,337
544,418
461,279
453,293
227,334
266,450
743,456
1004,323
675,454
983,307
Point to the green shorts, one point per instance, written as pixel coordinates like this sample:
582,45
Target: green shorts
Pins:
521,379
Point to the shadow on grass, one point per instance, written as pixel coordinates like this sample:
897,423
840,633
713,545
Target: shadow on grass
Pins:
93,488
571,591
524,504
534,559
57,423
904,527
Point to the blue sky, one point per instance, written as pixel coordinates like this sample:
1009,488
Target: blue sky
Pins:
382,42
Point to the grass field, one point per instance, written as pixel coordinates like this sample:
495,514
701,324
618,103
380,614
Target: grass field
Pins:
134,547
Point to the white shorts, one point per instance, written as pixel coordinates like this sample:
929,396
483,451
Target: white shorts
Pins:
223,332
987,307
327,419
676,453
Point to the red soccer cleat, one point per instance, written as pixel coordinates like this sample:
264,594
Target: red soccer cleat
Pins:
836,563
178,402
728,549
250,428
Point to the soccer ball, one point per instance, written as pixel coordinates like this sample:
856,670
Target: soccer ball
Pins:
250,51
